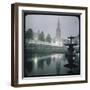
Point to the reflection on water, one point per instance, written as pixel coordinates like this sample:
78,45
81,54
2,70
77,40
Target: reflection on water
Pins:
47,65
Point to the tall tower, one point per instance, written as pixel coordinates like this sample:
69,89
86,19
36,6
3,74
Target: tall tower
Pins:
58,32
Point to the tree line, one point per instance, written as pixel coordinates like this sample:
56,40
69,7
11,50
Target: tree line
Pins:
29,35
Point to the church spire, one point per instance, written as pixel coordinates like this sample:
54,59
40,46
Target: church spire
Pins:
58,31
58,23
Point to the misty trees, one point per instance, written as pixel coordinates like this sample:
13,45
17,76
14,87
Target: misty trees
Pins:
29,34
48,38
41,36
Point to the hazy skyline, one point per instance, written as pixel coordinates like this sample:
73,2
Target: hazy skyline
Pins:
69,25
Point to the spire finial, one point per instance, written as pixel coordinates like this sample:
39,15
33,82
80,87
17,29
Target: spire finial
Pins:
58,23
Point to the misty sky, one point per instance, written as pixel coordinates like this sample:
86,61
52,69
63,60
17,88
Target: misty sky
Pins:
48,23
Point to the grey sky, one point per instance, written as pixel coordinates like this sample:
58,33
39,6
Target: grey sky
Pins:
48,23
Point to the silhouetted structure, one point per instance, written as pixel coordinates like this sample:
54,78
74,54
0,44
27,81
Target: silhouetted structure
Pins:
71,54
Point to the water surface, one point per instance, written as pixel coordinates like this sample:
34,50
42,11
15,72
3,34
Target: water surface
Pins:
48,65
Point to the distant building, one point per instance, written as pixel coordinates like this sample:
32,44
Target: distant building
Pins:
58,32
58,40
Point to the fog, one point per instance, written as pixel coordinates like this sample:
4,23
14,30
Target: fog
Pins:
69,25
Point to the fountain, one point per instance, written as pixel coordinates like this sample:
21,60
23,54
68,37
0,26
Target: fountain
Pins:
71,54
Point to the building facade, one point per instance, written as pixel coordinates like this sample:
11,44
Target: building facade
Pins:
58,39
